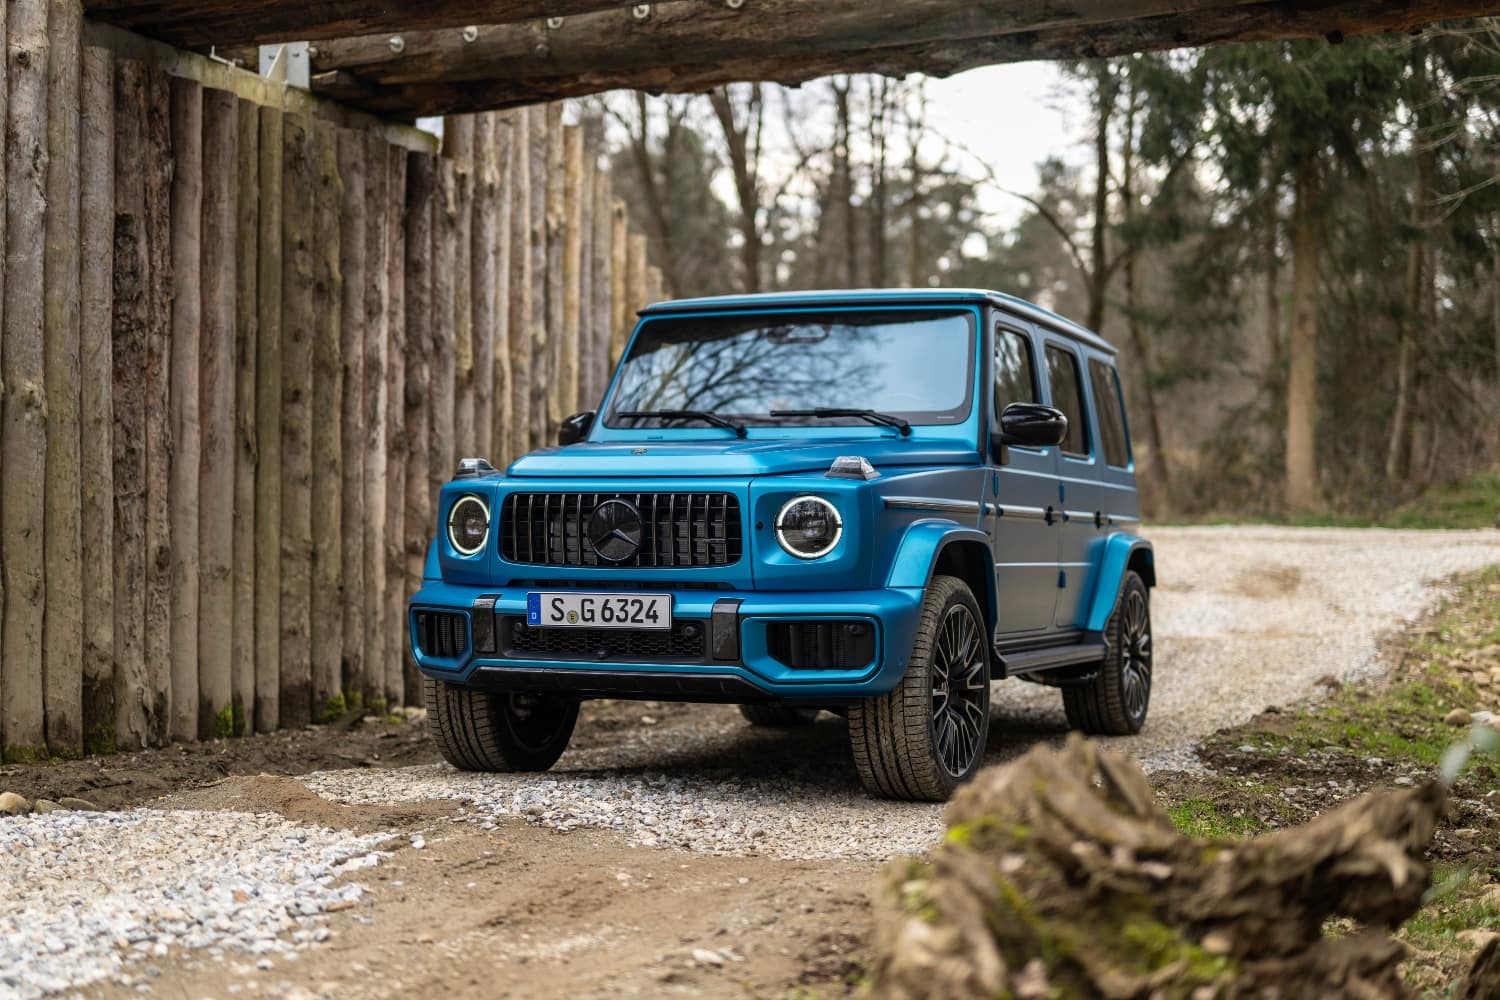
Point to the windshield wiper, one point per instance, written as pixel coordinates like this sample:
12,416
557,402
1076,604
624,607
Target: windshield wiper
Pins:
873,416
703,415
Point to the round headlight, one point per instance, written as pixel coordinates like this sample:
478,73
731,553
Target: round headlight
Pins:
808,527
468,524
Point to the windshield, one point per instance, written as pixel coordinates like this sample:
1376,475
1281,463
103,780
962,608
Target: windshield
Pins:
914,364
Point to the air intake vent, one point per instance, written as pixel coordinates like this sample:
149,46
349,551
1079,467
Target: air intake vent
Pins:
822,645
663,529
441,635
684,643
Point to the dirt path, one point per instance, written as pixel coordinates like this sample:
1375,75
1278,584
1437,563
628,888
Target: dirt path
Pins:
763,845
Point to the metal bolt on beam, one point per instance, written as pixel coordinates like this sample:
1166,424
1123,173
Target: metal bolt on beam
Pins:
471,33
734,4
641,11
398,44
553,23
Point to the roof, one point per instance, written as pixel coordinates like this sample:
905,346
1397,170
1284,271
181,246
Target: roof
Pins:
885,296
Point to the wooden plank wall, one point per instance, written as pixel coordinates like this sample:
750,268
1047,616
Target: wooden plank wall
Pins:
245,340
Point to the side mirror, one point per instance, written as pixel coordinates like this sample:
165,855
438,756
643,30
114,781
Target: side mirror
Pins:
1032,425
575,428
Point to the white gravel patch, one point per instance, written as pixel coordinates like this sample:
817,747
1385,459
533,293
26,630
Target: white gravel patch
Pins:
89,895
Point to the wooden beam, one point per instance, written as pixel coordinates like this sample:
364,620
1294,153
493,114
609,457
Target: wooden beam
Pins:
246,346
685,47
223,23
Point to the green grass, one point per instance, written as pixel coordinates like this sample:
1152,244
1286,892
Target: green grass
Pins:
1468,503
1202,819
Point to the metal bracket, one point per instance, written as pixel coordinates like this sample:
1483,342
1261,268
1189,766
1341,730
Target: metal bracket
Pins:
289,64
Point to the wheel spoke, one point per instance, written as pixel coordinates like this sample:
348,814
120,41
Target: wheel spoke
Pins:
959,690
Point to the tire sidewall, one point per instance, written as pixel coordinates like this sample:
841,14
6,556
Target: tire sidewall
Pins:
942,596
1116,663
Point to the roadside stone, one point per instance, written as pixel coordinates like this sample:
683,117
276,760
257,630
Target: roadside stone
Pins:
44,806
77,804
705,957
12,804
1458,717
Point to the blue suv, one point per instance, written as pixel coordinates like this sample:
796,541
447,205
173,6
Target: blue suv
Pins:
869,503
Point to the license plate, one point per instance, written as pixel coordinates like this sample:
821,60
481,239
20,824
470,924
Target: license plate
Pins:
574,610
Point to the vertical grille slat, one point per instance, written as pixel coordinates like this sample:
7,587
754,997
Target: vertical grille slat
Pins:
677,529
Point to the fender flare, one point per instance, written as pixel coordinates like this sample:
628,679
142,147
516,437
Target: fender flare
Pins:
923,542
1118,551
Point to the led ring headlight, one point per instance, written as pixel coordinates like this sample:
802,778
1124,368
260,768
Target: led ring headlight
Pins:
469,524
808,527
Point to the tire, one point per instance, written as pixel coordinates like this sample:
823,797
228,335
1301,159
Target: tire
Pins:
910,745
498,730
1115,702
778,716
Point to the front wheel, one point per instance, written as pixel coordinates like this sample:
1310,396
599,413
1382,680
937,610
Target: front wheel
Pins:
927,737
478,730
1115,702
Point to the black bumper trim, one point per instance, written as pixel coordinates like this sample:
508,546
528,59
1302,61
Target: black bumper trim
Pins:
653,686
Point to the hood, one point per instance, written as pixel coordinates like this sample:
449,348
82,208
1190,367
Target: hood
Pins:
762,457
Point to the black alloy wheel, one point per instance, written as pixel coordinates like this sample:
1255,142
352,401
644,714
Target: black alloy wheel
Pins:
1115,701
960,691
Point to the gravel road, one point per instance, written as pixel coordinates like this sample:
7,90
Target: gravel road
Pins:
1244,618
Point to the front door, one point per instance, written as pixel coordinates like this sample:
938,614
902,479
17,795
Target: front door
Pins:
1020,499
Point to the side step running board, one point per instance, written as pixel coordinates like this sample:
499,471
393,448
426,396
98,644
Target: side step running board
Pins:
1034,660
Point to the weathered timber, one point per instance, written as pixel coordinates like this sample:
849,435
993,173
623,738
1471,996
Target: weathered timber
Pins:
216,374
63,628
582,221
353,218
23,438
246,342
372,425
298,319
130,278
619,235
520,283
539,122
442,330
156,162
596,357
4,100
653,285
556,269
268,297
482,252
686,48
416,440
396,442
458,148
636,262
505,133
326,617
202,23
187,226
96,212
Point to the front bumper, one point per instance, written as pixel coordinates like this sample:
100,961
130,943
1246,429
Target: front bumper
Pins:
491,623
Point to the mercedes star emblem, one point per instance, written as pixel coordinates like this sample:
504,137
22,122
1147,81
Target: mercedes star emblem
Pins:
614,530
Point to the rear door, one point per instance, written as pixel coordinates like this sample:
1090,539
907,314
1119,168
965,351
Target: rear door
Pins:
1080,496
1020,495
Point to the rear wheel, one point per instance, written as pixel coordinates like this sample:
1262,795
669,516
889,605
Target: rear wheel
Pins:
1115,702
926,737
479,730
778,716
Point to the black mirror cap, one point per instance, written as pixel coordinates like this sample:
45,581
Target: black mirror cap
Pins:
1032,425
575,428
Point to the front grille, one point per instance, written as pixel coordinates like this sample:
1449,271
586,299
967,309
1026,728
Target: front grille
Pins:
822,645
677,529
441,634
683,642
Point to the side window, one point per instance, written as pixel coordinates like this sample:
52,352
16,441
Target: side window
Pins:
1015,371
1067,395
1106,385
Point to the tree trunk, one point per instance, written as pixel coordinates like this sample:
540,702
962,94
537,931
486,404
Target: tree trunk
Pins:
326,635
23,439
539,337
619,308
63,629
1302,490
520,283
1105,92
1271,252
158,219
746,180
246,344
1411,322
879,125
396,439
596,358
418,401
298,330
354,603
571,197
381,631
637,263
482,252
651,195
130,323
268,402
216,370
96,157
458,147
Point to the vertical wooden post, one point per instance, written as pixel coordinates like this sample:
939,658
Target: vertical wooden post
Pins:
216,410
458,149
519,240
63,628
131,276
584,399
440,447
539,336
96,157
635,275
618,282
395,440
572,264
187,222
354,214
156,162
4,103
653,286
297,331
379,646
482,251
505,130
326,638
556,277
601,323
24,436
246,342
417,445
268,297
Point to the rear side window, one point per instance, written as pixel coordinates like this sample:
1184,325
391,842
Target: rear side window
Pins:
1106,385
1015,371
1067,395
